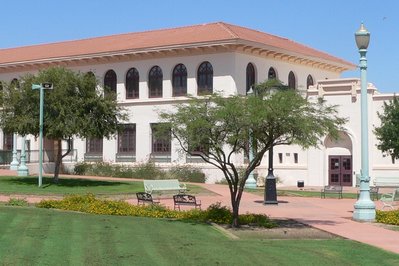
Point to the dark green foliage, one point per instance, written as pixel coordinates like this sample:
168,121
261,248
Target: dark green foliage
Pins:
388,133
141,171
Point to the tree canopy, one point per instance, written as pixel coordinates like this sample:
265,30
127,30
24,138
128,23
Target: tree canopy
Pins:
73,108
217,128
388,132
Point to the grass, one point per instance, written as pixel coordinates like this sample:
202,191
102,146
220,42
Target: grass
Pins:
28,186
31,236
302,193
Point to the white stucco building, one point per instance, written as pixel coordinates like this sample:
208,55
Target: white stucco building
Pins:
154,70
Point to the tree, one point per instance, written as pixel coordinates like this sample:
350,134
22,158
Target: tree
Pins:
388,133
217,128
72,109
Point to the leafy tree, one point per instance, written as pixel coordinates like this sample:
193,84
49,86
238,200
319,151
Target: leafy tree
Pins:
217,128
388,133
72,109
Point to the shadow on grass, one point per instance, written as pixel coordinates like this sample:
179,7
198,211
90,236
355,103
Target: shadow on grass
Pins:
48,182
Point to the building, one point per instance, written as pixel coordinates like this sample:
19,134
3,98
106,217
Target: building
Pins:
153,70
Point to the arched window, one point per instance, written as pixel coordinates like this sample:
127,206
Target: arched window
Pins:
155,78
291,80
179,80
132,84
309,82
110,82
205,78
250,76
271,74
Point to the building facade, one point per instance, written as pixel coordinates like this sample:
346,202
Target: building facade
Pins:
152,71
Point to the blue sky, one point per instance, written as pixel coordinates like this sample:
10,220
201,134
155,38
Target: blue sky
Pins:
324,25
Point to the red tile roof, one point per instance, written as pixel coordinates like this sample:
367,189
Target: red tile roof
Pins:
175,37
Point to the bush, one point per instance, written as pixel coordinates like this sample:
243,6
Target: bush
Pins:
141,171
90,204
388,217
185,173
17,202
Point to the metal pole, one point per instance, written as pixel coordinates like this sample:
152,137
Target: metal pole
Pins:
23,169
41,135
270,183
250,182
14,163
364,207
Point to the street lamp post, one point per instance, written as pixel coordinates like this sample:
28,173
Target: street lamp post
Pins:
364,207
270,183
23,169
41,88
251,182
14,164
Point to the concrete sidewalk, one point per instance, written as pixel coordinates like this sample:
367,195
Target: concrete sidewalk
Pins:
331,215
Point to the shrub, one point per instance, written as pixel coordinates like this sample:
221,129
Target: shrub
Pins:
388,217
17,202
186,173
90,204
141,171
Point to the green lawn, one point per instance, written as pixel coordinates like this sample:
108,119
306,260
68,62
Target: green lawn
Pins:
302,193
31,236
28,185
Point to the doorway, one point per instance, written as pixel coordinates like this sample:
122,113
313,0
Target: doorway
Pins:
340,170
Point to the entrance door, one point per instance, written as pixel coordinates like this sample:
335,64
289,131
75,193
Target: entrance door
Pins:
340,170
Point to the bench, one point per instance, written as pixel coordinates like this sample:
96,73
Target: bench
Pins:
185,200
143,198
331,190
386,182
162,185
390,199
373,193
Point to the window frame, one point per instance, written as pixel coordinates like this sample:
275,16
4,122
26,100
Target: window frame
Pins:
155,82
292,80
250,76
110,82
132,84
179,80
160,146
205,78
127,139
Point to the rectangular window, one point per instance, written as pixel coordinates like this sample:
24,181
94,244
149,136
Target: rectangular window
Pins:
127,139
296,158
94,146
161,141
280,158
8,140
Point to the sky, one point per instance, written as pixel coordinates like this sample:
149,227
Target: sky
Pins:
328,26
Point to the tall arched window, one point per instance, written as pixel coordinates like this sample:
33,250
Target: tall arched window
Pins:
205,78
110,82
250,76
309,82
179,80
155,78
271,74
291,80
132,84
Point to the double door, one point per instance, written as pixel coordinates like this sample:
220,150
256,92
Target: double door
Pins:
340,170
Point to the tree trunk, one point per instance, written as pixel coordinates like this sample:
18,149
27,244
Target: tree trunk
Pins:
235,222
58,161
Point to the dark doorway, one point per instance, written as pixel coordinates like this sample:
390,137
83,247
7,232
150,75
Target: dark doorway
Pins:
340,170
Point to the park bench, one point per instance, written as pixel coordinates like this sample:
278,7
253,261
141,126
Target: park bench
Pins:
143,198
185,200
373,193
386,182
163,185
331,190
390,200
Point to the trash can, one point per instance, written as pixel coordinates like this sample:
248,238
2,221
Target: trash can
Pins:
301,183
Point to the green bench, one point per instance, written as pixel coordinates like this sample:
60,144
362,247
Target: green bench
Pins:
390,199
164,185
331,190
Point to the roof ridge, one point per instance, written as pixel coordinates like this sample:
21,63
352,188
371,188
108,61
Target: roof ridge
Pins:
226,27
